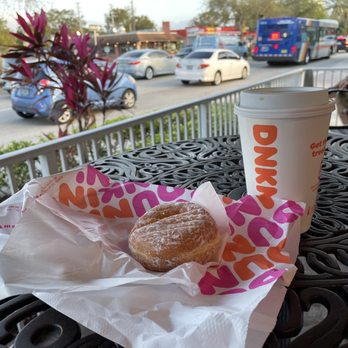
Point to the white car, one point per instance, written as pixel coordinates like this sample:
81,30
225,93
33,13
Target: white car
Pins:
211,65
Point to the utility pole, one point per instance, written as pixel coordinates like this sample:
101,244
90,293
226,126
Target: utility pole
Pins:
78,12
111,11
132,17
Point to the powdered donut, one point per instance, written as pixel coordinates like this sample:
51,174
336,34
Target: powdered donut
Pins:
171,234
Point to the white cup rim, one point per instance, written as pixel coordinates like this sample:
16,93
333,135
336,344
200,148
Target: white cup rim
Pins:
311,111
283,97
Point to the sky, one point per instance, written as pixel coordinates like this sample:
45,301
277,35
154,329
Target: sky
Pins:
178,12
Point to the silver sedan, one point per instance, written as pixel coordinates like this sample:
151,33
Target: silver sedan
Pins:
146,63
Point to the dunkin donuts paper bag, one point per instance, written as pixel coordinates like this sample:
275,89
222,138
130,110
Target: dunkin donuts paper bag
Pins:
69,247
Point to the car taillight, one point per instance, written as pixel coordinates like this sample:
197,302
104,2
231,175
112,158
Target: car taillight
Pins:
275,35
203,65
44,83
134,62
293,49
178,65
255,50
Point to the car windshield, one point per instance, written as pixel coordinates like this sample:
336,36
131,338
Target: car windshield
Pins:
200,55
205,41
7,61
134,54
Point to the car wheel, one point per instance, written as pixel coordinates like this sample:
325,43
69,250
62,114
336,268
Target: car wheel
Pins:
128,99
60,113
185,82
25,114
149,73
307,57
217,79
244,73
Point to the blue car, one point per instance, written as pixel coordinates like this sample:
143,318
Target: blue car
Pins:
5,84
42,100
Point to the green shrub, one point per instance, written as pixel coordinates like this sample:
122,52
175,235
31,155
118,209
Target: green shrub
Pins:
21,171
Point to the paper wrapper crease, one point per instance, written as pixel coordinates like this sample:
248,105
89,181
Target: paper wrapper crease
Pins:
64,238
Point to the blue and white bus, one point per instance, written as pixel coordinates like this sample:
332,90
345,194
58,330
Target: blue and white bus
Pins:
291,39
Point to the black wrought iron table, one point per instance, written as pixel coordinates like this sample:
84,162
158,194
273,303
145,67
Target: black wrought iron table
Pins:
315,310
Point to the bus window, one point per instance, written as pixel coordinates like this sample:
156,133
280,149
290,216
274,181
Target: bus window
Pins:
312,35
303,34
274,32
322,33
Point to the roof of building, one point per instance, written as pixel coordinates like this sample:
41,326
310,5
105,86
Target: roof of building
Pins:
139,36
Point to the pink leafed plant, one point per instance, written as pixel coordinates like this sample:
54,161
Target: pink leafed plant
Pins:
72,60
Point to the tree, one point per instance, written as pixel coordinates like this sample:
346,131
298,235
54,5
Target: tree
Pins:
305,8
246,12
207,18
6,39
217,13
338,9
144,22
55,18
240,12
119,18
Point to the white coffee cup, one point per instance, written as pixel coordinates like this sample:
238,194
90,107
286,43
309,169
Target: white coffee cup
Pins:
283,133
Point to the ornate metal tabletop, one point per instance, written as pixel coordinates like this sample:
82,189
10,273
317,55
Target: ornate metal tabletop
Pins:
315,312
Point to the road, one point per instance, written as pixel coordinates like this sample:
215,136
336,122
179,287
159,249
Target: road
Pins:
156,94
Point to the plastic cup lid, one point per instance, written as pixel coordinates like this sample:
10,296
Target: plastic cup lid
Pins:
283,97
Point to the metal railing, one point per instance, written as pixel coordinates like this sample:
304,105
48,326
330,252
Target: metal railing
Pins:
213,116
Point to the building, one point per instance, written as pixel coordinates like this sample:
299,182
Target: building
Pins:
190,33
114,45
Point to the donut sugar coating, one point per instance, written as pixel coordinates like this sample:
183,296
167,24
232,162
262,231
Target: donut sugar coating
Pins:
171,234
